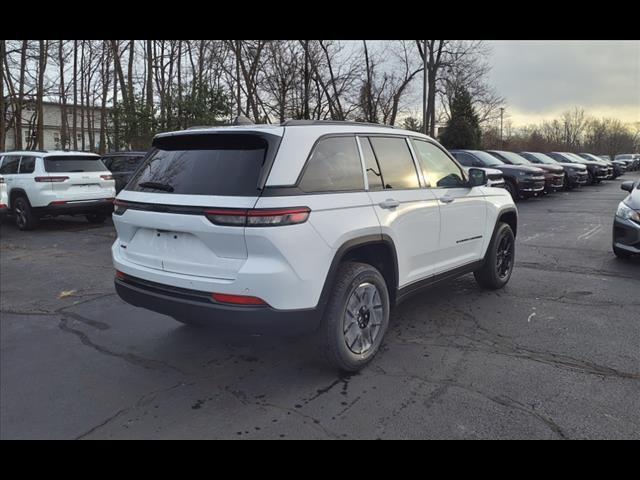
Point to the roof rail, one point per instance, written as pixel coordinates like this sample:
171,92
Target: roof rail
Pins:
294,123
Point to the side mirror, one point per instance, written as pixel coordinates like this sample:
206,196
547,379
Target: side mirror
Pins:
477,177
628,185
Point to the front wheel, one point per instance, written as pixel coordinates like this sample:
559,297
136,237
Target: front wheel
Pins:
356,317
512,189
499,259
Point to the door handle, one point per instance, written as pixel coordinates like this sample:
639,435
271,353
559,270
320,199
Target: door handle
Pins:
389,203
447,199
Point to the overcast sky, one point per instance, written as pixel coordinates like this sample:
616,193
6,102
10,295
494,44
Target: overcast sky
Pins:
541,79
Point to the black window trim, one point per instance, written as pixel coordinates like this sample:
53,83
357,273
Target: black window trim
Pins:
294,189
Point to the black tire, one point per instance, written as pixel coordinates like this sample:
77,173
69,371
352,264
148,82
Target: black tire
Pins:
512,189
351,278
567,185
493,274
621,253
96,217
25,218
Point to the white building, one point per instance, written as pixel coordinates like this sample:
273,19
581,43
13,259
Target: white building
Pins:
53,127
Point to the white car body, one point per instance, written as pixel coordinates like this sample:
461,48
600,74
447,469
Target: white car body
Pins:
4,198
433,231
41,177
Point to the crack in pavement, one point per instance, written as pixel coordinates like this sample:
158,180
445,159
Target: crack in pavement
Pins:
502,400
130,358
142,401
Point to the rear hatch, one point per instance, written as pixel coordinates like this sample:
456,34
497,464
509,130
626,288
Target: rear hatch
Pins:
160,215
77,178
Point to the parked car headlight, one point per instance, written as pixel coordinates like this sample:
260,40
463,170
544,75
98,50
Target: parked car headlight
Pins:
627,213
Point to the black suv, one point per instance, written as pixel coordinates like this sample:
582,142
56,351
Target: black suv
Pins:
596,171
553,174
619,167
123,165
575,174
626,226
520,180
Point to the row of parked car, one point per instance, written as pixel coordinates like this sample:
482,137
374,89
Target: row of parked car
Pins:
527,174
303,226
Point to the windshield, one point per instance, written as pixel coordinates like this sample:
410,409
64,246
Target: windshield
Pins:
219,164
514,158
542,158
75,163
593,158
575,157
487,159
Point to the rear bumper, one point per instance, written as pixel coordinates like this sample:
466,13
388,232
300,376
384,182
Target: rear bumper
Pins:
76,207
626,235
198,306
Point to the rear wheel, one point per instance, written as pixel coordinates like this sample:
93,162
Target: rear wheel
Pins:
25,218
499,259
96,217
356,317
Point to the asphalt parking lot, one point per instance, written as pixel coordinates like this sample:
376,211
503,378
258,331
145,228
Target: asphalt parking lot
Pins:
554,355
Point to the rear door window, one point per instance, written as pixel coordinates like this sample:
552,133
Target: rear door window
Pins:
214,164
10,164
27,164
396,163
334,166
71,164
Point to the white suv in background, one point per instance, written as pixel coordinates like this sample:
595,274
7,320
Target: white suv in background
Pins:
305,226
43,183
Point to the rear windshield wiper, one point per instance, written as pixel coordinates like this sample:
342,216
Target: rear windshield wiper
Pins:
156,186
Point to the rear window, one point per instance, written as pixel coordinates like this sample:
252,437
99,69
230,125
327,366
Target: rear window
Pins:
62,164
215,164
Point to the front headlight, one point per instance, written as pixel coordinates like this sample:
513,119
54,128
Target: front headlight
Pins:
627,213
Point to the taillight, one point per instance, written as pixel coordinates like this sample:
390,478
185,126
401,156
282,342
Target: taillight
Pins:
119,207
51,179
259,217
237,299
106,177
120,275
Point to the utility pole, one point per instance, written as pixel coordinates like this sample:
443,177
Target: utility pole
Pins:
501,115
424,88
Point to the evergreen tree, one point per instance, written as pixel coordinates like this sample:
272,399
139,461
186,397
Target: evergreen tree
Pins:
463,128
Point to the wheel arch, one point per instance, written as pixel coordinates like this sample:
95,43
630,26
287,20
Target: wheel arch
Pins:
376,250
510,217
16,192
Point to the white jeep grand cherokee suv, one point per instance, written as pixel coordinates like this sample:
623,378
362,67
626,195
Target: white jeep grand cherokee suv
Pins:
44,183
304,226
